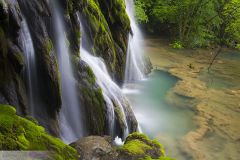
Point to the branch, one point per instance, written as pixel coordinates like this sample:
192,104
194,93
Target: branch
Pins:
230,14
215,56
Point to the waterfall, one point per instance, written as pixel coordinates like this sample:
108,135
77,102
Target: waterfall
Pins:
70,114
134,63
112,94
30,70
134,70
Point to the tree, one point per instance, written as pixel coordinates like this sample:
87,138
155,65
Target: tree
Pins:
195,23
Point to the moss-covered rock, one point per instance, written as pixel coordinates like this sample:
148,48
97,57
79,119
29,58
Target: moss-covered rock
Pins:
139,147
92,99
98,29
108,26
17,133
115,14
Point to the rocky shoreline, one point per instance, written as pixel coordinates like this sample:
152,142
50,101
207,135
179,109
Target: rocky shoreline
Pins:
217,108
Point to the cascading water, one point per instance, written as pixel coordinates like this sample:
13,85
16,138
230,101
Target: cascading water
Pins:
134,63
134,70
70,114
30,70
111,92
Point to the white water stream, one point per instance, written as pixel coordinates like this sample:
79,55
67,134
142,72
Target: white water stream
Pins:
31,71
111,91
70,114
135,53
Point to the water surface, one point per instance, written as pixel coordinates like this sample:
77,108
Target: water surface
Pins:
158,117
225,72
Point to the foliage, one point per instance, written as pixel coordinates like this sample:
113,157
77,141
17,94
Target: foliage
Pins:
17,133
177,45
237,46
196,23
140,12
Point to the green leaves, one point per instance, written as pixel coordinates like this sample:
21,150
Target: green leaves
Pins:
196,23
140,12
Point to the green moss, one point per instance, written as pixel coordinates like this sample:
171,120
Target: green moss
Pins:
120,13
30,118
78,35
22,141
103,42
48,46
136,147
5,109
140,146
17,133
119,115
177,45
93,99
237,46
91,77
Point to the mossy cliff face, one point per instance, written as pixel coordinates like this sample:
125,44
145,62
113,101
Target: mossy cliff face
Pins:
12,88
11,60
17,133
91,97
107,26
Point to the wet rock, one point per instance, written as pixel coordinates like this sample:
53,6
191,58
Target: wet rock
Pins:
38,17
95,147
91,97
108,28
137,146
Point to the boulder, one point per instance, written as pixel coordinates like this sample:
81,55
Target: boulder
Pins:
136,147
95,148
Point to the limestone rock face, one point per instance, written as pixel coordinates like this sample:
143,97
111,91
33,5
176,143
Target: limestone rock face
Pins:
107,27
13,89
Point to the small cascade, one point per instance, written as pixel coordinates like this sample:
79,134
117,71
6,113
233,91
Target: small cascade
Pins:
112,94
30,70
135,62
70,114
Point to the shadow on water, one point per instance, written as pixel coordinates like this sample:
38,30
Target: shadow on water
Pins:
158,116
